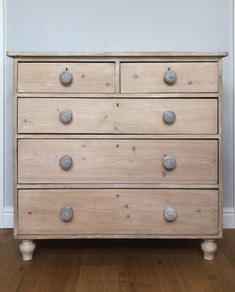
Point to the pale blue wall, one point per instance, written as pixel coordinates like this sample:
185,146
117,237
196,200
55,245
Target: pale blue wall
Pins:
123,25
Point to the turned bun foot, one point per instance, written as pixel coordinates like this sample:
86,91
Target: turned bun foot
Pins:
209,248
27,248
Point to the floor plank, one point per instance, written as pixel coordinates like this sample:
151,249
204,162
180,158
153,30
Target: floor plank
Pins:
117,266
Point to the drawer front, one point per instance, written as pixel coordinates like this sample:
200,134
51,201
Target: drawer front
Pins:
149,77
117,161
86,77
137,116
120,211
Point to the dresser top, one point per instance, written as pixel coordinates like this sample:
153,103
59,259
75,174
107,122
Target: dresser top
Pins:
116,54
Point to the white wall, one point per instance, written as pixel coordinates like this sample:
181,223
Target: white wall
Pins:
76,25
2,116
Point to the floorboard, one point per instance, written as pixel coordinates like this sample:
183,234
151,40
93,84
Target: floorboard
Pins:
117,266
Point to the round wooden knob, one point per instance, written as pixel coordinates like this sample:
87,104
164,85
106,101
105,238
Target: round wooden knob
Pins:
169,117
169,162
170,214
66,116
66,214
66,162
66,78
170,77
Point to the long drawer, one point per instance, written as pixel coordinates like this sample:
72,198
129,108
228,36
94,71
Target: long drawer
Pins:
147,77
85,77
117,161
120,211
138,116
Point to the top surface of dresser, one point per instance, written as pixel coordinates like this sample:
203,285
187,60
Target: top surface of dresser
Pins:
116,54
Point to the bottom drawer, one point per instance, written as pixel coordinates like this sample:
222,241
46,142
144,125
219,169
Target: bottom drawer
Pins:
118,211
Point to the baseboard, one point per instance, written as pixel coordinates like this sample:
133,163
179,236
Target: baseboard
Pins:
8,216
228,216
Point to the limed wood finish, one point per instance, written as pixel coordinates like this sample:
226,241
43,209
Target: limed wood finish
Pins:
118,211
117,116
100,54
118,140
149,77
117,161
117,266
87,77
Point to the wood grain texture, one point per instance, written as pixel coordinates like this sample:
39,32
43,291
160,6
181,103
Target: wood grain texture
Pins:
116,186
119,136
135,116
87,77
116,236
149,77
221,148
118,211
113,59
117,161
116,54
15,141
122,95
117,266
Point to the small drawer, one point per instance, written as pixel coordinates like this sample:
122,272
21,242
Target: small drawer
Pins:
119,211
66,77
117,161
169,77
117,116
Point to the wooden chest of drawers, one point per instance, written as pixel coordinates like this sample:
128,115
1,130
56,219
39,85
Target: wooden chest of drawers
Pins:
118,145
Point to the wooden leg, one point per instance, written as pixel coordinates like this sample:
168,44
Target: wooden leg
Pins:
27,248
209,248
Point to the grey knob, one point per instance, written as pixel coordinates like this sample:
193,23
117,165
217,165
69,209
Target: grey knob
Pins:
66,162
66,116
169,162
170,77
66,214
170,214
169,117
66,78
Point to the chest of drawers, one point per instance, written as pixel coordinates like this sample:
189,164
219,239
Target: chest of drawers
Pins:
118,145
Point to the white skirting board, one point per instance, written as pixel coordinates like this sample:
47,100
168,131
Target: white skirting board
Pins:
229,217
8,215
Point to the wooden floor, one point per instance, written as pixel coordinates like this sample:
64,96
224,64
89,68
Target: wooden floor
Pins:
117,265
